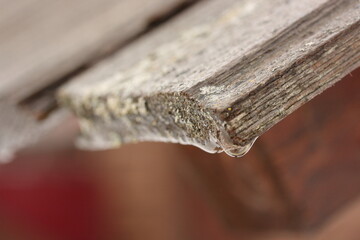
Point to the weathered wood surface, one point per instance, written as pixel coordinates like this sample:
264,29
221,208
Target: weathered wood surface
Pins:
219,76
301,173
44,42
316,153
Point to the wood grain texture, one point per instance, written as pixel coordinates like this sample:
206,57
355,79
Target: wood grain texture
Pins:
45,42
219,76
299,175
316,153
244,194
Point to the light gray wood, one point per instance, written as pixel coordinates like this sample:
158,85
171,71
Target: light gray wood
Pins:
43,41
19,129
219,76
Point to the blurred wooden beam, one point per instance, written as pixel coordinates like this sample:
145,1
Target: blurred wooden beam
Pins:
44,43
316,153
219,76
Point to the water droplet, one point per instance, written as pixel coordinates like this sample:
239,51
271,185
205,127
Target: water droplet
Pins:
239,151
97,135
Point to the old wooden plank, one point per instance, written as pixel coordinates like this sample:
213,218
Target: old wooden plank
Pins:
43,43
42,40
245,194
316,153
19,129
218,77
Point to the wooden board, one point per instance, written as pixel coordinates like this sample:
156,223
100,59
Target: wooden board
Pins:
316,153
299,174
41,40
19,129
44,43
219,76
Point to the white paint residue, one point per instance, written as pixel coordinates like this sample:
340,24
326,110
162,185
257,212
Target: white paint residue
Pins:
209,90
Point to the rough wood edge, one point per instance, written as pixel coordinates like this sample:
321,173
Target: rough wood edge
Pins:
233,125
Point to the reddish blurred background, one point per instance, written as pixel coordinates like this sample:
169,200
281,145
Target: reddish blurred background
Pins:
301,180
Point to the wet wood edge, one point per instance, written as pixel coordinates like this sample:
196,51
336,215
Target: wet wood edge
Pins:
221,82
